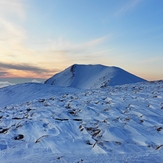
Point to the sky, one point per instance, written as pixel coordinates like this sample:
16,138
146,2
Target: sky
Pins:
39,38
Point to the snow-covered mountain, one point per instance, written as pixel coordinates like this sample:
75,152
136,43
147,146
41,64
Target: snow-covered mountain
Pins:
49,123
92,76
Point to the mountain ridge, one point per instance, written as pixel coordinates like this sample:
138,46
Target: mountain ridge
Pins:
92,76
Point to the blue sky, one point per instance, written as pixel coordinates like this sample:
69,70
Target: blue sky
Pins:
40,38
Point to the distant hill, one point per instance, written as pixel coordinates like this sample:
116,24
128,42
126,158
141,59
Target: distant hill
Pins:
92,76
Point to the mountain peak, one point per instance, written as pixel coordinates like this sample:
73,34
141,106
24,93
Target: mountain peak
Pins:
92,76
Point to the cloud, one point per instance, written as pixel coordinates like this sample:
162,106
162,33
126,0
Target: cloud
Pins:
2,74
128,6
10,8
11,29
12,33
70,45
152,60
67,47
95,57
96,41
21,67
62,53
50,53
43,56
24,67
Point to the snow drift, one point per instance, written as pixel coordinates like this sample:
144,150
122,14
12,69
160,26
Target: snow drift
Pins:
92,76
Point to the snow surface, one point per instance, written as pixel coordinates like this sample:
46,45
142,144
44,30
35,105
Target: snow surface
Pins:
25,92
111,124
92,76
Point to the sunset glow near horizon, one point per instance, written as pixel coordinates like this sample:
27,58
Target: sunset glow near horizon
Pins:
40,38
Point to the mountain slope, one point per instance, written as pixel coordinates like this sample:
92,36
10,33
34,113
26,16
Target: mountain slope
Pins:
122,124
92,76
21,93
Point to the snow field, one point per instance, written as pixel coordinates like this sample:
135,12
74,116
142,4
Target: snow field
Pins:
112,124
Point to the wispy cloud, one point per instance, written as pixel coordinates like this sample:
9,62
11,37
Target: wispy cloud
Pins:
152,60
12,33
13,51
96,41
54,53
24,67
3,73
10,8
64,46
12,30
131,4
65,52
58,53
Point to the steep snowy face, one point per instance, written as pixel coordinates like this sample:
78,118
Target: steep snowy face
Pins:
92,76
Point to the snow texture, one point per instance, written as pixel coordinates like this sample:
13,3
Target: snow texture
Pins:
44,123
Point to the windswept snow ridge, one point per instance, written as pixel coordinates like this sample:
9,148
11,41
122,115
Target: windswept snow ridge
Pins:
92,76
121,123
